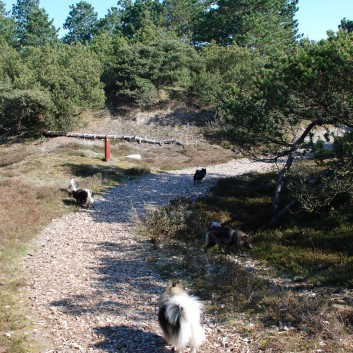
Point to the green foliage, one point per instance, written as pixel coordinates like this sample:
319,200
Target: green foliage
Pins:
315,83
183,17
24,108
81,23
14,72
343,147
317,190
110,24
346,25
6,26
133,15
23,104
72,76
32,25
142,69
228,74
145,52
309,88
267,26
48,86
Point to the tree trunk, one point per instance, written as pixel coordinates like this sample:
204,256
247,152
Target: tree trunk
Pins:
118,137
285,169
280,182
19,123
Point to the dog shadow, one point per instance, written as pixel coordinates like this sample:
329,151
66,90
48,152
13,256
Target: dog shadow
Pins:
124,339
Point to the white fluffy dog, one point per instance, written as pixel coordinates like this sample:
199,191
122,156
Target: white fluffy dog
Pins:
179,318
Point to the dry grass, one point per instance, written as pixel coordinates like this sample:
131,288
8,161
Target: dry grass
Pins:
33,180
276,317
25,210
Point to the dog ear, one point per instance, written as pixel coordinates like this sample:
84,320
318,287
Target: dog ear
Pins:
176,283
170,284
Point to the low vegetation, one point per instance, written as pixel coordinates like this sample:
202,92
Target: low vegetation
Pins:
269,92
34,176
33,184
283,294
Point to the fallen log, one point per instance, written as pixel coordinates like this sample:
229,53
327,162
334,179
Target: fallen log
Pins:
130,138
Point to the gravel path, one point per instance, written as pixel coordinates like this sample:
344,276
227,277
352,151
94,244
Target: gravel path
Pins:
89,288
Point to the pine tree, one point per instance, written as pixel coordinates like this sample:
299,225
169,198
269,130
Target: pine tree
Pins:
32,25
267,26
82,23
6,25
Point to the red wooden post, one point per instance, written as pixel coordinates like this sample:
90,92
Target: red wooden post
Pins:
107,148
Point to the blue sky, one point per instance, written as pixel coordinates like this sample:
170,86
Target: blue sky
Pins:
315,16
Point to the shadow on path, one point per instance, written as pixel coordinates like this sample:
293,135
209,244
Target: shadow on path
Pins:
125,339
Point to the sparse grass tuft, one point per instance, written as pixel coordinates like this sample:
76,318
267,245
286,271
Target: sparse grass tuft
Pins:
137,171
13,156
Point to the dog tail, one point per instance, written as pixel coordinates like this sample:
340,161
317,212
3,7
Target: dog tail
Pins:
184,311
90,197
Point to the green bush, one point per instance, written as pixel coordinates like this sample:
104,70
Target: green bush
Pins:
142,69
24,108
343,146
48,87
72,76
228,74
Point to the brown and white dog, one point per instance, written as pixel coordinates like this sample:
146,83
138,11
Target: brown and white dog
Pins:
179,318
226,236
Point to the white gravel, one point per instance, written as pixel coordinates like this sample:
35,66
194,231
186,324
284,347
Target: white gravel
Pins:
89,288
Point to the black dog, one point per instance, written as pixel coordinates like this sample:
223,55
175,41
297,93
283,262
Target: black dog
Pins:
199,175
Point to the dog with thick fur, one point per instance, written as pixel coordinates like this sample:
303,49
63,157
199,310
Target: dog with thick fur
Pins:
199,175
226,236
179,318
84,197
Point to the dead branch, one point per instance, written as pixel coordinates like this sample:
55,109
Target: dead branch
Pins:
137,139
283,212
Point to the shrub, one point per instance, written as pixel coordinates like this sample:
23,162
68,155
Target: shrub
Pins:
71,74
24,109
142,69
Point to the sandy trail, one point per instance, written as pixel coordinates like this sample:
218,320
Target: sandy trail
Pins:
90,288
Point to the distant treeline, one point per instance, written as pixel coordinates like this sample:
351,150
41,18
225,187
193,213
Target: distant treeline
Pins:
212,53
142,51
